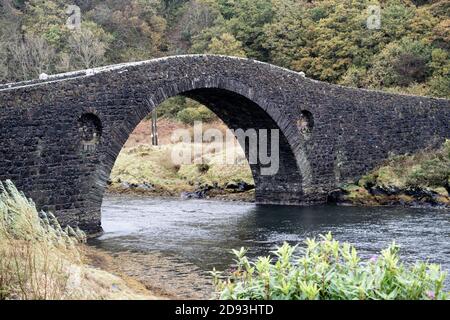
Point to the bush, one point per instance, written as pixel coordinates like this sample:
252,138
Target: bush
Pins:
329,270
434,171
428,168
171,107
191,114
203,168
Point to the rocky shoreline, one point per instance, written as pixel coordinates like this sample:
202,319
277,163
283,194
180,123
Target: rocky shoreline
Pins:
391,196
369,195
232,191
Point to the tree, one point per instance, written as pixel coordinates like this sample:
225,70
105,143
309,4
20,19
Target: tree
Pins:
137,28
31,57
400,64
87,46
227,45
246,20
47,20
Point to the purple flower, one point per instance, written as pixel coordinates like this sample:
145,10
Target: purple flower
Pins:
430,295
373,259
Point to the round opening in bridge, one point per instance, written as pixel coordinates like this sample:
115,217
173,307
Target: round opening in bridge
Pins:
90,128
305,123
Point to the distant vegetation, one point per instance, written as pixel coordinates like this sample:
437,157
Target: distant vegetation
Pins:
325,269
151,170
328,39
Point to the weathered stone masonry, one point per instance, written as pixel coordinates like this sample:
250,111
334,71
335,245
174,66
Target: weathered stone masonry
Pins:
61,136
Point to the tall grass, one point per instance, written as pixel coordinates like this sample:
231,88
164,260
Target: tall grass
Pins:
35,252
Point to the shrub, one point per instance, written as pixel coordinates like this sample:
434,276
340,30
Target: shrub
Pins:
171,107
191,114
329,270
428,168
434,171
203,168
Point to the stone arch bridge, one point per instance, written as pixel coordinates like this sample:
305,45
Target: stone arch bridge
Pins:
60,136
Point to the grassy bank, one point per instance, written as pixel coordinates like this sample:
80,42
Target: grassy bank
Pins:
419,179
150,170
39,260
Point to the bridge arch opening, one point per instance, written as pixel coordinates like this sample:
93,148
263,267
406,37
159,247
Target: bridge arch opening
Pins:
282,186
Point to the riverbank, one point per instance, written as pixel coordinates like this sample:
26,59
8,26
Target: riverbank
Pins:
155,275
143,169
41,261
418,180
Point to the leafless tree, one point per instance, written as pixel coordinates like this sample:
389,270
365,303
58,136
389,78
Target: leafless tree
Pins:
31,56
86,49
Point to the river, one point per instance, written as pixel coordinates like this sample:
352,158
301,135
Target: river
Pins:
202,232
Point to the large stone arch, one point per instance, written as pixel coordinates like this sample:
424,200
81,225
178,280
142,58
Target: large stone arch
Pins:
237,111
61,135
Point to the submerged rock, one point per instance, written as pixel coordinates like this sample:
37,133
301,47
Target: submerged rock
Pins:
145,187
240,186
199,194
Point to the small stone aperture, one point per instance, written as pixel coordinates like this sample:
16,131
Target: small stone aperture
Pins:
90,129
305,123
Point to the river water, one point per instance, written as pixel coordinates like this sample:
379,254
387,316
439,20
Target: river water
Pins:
202,232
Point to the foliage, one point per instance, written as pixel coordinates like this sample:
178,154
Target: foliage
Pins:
328,39
328,270
171,107
429,168
39,260
136,26
31,249
191,114
227,45
434,171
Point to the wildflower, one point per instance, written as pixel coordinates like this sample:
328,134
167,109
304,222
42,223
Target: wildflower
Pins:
431,295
